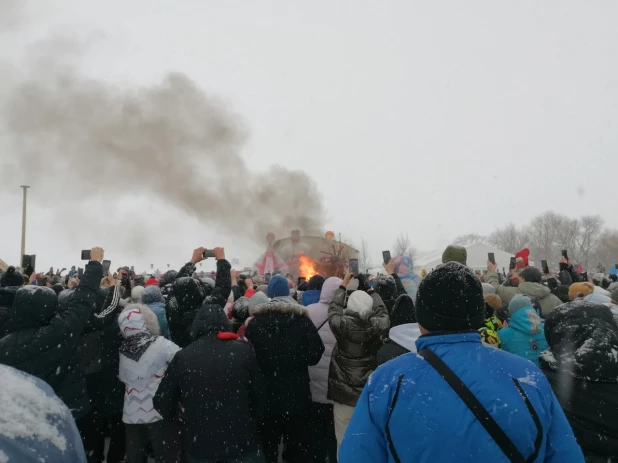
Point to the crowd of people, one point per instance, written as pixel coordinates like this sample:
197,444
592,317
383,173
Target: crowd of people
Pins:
234,368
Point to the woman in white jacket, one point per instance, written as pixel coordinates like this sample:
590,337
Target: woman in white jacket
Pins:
144,357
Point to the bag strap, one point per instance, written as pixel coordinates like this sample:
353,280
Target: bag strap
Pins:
481,414
323,323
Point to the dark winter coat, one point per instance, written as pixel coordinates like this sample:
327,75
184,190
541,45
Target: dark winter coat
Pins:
582,368
44,343
219,385
187,296
286,343
401,340
358,341
7,295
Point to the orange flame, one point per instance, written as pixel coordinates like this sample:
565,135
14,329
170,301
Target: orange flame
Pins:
307,267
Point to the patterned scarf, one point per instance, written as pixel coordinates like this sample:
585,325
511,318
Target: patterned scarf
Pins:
133,347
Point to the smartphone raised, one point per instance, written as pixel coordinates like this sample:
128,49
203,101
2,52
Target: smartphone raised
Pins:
386,256
565,254
545,266
513,263
208,253
106,265
86,254
491,257
353,264
28,261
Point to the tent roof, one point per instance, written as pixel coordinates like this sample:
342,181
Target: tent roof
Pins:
477,257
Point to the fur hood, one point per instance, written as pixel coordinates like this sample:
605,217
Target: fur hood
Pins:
130,323
282,305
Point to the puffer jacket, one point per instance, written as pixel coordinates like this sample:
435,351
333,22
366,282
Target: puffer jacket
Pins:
318,313
286,342
44,342
408,409
358,341
7,294
525,335
546,299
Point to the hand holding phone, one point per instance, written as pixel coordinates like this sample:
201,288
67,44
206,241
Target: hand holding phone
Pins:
106,265
386,257
513,263
491,257
545,267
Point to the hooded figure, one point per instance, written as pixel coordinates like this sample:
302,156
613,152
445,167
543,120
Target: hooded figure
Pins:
525,334
286,342
44,343
359,329
403,333
187,297
240,313
582,367
314,288
218,382
153,298
10,282
144,357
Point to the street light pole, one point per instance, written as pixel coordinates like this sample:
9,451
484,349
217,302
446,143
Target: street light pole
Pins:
23,222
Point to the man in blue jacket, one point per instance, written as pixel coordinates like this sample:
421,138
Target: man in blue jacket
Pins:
409,413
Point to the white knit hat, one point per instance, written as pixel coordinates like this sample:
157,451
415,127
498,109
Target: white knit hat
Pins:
361,303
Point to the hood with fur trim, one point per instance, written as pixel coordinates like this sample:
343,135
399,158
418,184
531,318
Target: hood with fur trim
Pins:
138,318
282,305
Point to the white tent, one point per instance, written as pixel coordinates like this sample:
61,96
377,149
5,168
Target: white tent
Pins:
477,258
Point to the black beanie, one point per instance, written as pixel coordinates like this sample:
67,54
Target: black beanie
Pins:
531,275
450,299
11,278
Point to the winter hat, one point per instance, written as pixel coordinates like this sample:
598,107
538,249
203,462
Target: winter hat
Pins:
209,281
531,275
562,293
257,299
580,290
151,294
136,293
138,318
455,253
361,303
518,303
488,289
386,287
262,289
58,288
450,299
403,311
33,307
316,282
523,257
278,286
493,300
152,281
11,278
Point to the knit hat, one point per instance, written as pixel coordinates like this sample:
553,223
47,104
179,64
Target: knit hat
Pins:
450,299
257,299
316,282
523,256
11,278
493,300
455,253
361,303
518,303
278,286
136,293
152,281
386,287
580,290
488,289
531,275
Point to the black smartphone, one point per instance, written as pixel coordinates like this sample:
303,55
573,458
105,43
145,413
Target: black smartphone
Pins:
513,263
86,254
545,267
565,254
106,265
353,263
80,273
386,256
491,257
28,261
208,253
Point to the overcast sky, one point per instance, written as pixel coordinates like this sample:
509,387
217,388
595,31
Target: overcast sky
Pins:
428,118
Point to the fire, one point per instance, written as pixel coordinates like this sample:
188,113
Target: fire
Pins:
306,266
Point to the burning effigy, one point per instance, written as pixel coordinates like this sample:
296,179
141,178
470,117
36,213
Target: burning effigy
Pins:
305,256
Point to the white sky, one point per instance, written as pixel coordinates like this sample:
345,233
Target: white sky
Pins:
431,118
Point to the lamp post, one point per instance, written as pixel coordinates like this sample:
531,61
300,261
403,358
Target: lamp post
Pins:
23,222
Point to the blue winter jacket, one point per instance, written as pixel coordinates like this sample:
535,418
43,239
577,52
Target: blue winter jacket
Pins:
525,335
430,423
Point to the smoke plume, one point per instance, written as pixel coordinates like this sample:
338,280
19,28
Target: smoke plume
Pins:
80,138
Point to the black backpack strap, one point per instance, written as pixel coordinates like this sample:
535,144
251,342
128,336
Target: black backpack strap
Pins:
481,414
323,323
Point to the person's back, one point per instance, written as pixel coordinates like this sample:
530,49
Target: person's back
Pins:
524,335
10,281
218,382
408,411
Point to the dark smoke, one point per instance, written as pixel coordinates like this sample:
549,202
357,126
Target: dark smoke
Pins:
82,138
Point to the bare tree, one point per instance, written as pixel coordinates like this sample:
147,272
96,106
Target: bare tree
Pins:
543,233
606,251
589,237
470,238
567,235
403,247
365,257
509,239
